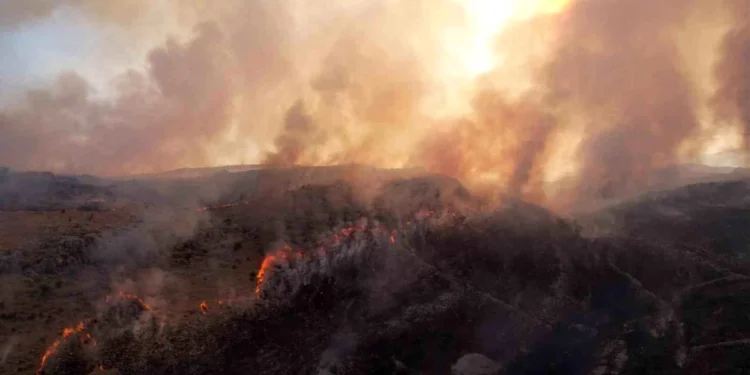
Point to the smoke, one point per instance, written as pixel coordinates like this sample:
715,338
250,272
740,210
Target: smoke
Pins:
618,89
14,14
366,96
501,143
154,119
167,116
598,94
616,68
732,97
299,132
157,229
7,347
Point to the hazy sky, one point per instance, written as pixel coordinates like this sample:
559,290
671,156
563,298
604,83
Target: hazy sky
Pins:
35,52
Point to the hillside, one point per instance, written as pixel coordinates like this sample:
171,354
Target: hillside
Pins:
298,271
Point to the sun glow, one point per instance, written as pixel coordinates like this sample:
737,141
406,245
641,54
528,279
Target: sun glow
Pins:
488,18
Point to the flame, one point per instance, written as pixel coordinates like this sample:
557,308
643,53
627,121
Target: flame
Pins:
269,261
52,349
132,297
80,329
135,298
261,277
286,252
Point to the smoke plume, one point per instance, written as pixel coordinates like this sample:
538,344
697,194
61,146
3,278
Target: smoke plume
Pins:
617,69
733,95
597,94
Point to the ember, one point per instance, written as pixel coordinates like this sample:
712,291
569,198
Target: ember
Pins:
204,307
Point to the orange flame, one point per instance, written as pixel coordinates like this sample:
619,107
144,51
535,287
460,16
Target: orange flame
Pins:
67,332
286,252
269,261
204,307
80,328
133,297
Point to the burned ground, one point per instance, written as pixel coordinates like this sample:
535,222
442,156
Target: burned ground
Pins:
406,282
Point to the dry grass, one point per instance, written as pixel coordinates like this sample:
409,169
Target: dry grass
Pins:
19,227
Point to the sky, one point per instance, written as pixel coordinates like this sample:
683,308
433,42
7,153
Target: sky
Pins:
34,52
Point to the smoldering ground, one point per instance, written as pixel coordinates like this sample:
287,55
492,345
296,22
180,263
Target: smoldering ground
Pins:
412,281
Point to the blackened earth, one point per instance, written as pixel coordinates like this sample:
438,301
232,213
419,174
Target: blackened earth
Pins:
662,288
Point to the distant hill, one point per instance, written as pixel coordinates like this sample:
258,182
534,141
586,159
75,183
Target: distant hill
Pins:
186,188
582,198
47,191
186,173
710,215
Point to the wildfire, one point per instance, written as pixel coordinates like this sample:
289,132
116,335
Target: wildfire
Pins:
286,252
135,298
270,260
261,277
52,349
80,328
132,297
